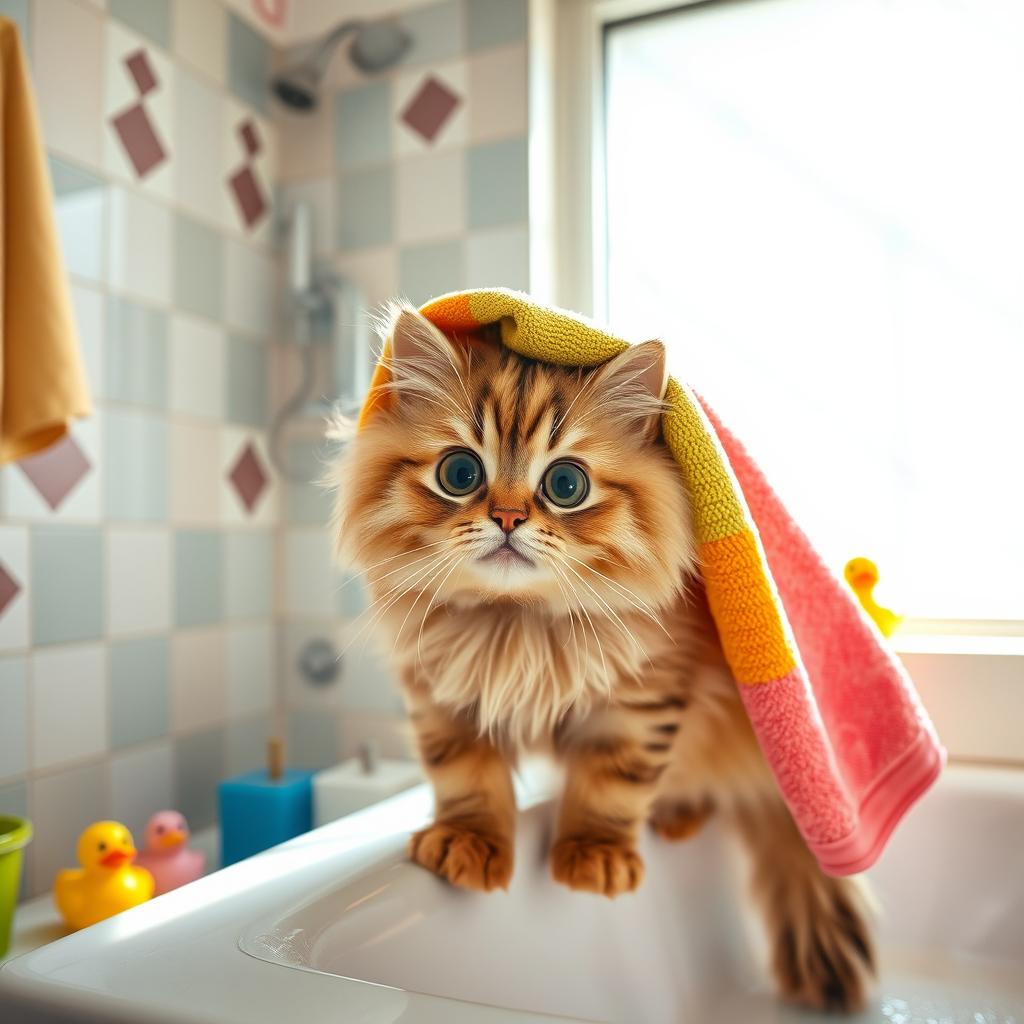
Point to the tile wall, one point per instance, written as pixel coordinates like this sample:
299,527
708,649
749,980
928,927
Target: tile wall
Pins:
160,581
137,638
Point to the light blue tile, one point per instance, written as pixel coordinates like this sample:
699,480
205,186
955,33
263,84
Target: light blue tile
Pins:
198,268
135,465
199,764
365,208
136,354
67,588
425,271
496,183
249,574
247,744
351,598
151,18
362,125
80,200
139,690
306,500
498,259
248,64
13,717
198,576
17,11
435,32
495,22
312,739
141,783
246,382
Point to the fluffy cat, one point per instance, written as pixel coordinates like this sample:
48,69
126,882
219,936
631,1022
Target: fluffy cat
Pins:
525,536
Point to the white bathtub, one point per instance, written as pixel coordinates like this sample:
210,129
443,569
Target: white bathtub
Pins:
335,926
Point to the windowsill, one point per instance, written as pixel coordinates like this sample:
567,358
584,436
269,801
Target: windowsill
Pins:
956,643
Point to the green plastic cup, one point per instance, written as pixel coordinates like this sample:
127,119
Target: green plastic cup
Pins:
15,834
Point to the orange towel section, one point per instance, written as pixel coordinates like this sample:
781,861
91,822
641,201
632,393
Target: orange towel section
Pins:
42,383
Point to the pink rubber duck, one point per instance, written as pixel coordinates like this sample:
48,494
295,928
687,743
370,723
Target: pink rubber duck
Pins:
165,855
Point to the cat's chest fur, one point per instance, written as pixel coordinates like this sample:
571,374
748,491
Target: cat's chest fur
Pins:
519,671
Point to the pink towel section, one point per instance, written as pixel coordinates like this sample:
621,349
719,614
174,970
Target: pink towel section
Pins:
845,733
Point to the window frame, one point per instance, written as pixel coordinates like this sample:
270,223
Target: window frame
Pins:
568,257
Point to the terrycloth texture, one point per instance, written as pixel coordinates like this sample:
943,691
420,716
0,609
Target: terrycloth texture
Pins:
42,386
834,711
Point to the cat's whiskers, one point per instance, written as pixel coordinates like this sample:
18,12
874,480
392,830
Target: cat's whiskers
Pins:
423,590
593,628
423,621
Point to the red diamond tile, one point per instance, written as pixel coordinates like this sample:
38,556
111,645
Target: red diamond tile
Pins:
248,195
250,137
142,71
139,140
427,112
9,589
249,477
56,471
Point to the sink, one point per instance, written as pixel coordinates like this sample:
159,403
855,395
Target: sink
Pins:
336,926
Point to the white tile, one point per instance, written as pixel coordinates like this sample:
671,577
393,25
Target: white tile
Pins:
431,197
318,195
195,474
310,581
305,141
250,673
197,367
141,783
89,306
14,559
498,93
375,271
249,288
69,704
197,679
67,52
299,691
200,36
200,170
140,245
121,93
83,503
499,259
138,580
14,720
453,133
267,509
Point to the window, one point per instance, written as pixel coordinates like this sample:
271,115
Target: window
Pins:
819,206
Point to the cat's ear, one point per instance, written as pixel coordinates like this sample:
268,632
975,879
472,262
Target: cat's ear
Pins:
633,384
415,340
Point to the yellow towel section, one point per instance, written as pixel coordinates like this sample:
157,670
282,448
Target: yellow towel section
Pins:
42,383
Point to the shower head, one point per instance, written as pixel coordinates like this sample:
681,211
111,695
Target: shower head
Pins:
376,46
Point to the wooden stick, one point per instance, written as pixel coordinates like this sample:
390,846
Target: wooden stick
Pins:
275,757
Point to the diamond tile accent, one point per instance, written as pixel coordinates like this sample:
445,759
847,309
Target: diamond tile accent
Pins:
9,589
429,109
249,195
139,139
142,72
248,477
56,471
250,137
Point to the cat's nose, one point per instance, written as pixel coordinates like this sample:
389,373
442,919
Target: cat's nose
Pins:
509,518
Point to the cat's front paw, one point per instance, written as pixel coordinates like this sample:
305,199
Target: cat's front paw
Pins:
596,865
467,858
679,821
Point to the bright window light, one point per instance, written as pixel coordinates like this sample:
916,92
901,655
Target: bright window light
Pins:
819,206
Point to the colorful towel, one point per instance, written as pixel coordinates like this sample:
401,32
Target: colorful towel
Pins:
42,383
833,709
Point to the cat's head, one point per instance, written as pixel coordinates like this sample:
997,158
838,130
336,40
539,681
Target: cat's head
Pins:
489,477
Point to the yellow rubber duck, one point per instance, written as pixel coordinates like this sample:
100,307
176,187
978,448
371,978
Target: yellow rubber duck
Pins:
862,575
106,883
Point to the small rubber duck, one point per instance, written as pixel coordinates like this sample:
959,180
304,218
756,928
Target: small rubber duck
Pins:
862,575
165,855
106,883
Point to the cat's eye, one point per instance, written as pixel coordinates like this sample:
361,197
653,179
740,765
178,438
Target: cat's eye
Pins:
460,473
565,484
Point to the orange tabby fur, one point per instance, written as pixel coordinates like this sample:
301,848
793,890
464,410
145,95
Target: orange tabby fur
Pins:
601,651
